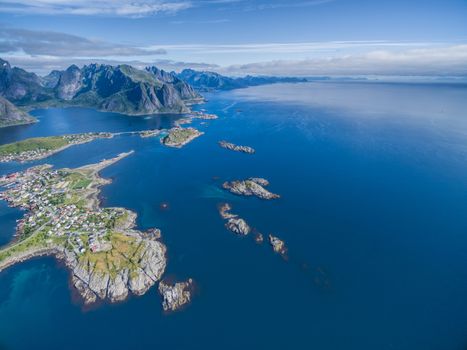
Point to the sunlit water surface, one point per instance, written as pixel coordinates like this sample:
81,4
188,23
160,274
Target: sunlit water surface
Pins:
373,179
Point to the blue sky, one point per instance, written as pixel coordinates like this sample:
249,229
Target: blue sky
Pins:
282,37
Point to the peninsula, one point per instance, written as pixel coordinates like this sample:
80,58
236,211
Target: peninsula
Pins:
107,257
42,147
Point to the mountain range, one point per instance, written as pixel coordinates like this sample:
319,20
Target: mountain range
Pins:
211,81
122,89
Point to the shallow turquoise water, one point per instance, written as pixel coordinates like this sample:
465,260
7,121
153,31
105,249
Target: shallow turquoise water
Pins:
373,210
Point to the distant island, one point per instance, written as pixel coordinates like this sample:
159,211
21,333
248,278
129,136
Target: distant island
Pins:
236,148
107,257
212,81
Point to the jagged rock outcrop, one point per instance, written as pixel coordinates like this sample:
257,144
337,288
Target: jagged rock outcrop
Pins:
277,245
185,90
94,284
69,83
11,115
238,226
21,87
51,80
251,187
121,89
174,296
236,148
234,223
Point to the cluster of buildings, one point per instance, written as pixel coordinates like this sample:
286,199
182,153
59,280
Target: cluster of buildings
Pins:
54,207
39,153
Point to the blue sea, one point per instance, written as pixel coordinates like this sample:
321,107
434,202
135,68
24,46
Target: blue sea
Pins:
373,209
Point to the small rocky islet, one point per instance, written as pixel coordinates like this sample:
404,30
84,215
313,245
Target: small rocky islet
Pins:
278,245
234,223
240,227
236,148
175,296
254,186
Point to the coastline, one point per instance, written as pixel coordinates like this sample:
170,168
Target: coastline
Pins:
89,282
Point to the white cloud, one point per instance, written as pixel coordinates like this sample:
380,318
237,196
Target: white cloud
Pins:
123,8
34,43
41,50
438,60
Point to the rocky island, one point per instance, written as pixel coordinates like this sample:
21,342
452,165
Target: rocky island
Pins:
253,186
236,148
179,137
107,257
277,245
175,296
234,223
43,147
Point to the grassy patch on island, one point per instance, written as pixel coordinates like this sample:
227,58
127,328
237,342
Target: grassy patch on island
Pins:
45,143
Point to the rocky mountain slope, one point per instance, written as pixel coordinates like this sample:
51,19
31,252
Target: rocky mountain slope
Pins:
123,89
11,115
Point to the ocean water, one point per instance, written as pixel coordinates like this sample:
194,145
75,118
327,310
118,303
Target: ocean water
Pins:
373,179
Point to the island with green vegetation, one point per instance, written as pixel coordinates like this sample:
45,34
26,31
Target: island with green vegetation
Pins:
178,137
42,147
108,258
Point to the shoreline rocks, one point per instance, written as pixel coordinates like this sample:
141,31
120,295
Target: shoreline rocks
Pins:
175,296
236,148
250,187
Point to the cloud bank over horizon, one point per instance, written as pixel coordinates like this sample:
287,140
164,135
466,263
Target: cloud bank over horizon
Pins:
43,51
